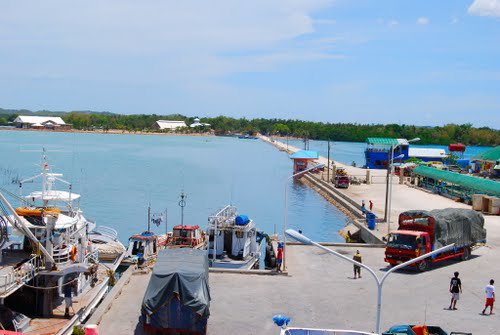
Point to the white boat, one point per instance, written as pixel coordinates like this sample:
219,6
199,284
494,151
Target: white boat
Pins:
233,240
45,244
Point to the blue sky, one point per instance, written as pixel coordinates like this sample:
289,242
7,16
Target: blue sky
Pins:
412,62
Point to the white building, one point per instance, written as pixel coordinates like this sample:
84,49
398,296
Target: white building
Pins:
429,153
197,123
169,124
31,121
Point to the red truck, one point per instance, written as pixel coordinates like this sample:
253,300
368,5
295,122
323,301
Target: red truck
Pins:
421,232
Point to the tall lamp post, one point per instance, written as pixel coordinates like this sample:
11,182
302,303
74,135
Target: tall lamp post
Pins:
285,216
387,213
379,281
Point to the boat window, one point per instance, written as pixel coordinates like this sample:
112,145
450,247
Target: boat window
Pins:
240,234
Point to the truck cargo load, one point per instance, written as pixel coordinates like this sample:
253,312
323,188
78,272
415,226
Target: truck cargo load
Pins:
451,225
177,298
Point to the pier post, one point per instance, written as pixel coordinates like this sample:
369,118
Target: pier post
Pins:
368,176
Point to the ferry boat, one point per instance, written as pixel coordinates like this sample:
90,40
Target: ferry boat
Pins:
233,240
45,246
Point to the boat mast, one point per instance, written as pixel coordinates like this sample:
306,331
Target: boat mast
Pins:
182,204
149,218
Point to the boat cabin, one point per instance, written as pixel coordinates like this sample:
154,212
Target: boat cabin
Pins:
186,236
143,245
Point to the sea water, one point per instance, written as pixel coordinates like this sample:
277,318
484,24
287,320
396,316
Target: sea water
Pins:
119,175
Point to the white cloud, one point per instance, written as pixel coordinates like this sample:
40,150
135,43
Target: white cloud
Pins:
454,20
485,8
393,23
423,20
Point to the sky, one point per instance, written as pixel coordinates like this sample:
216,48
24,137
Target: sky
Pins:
360,61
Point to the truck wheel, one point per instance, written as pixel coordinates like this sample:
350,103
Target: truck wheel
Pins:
424,265
466,254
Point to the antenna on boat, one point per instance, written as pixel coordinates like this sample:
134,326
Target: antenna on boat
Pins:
149,217
182,204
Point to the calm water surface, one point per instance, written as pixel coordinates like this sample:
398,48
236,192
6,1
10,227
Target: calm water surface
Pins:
118,175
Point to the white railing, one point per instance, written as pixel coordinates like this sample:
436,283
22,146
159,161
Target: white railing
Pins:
19,276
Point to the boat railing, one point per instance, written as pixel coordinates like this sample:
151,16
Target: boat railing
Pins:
92,257
62,255
106,231
223,214
20,275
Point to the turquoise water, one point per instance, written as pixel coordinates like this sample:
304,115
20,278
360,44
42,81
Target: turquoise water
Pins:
348,152
118,175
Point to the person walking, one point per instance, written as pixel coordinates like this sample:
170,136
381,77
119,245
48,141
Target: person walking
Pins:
68,298
490,297
455,290
371,205
357,268
363,206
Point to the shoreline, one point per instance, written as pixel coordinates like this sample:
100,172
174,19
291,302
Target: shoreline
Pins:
108,132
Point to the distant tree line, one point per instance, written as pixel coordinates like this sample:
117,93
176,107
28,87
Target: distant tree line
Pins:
221,125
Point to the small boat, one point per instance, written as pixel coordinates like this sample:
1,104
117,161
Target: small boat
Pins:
144,247
233,240
105,240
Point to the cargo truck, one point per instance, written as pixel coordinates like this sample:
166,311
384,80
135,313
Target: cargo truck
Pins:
421,232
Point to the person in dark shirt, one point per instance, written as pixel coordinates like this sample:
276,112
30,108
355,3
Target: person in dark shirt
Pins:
357,268
455,290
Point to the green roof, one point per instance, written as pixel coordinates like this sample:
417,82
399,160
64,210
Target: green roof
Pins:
479,185
489,155
382,140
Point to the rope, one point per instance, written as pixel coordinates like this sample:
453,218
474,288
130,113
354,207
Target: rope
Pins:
50,288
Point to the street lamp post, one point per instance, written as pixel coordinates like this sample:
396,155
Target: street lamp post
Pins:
388,199
379,281
285,221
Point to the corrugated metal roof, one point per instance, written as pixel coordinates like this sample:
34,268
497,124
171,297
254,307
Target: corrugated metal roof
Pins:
39,119
305,154
490,155
480,185
426,152
386,141
170,124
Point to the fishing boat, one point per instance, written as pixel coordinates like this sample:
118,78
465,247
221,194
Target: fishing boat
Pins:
45,246
144,247
233,240
186,236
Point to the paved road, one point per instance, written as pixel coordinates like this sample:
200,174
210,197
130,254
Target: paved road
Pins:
320,292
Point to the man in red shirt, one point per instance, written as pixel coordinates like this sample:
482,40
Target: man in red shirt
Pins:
279,259
371,205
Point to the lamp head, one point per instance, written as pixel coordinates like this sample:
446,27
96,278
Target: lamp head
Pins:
298,236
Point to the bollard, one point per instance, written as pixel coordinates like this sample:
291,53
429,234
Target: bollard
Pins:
91,330
368,178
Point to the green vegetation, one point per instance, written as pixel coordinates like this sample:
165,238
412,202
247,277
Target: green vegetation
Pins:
353,132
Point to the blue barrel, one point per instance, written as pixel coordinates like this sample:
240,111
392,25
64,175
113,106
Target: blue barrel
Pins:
371,220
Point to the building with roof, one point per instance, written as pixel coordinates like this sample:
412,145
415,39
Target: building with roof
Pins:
169,124
378,152
40,122
197,123
455,185
302,158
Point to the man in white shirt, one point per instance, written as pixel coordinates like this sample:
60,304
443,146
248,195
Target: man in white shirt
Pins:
490,296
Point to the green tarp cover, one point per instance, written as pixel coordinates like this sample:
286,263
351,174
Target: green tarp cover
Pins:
182,272
454,225
490,155
382,141
480,185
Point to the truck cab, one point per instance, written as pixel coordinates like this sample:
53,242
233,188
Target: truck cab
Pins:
403,245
